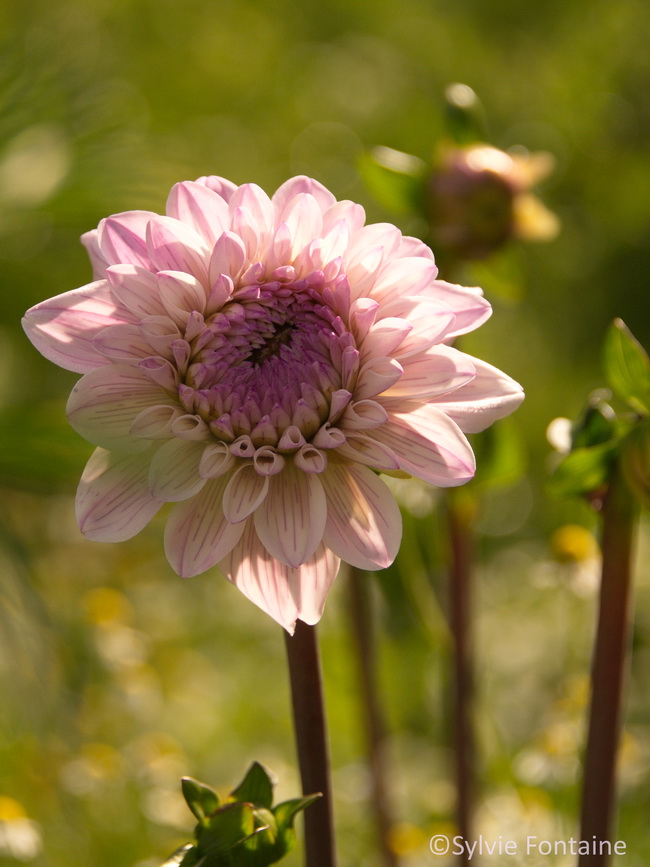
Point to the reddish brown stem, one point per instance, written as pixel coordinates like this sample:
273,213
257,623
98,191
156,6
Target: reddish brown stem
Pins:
460,599
311,741
608,672
361,616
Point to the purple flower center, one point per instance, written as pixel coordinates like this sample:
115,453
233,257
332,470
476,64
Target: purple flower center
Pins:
269,359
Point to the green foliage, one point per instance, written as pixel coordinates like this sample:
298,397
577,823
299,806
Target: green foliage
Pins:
245,831
627,367
394,178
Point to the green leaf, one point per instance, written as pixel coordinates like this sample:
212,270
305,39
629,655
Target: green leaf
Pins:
597,425
627,367
256,787
394,178
464,115
201,799
635,462
584,470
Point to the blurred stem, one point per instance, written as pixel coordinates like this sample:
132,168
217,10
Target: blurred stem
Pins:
362,632
460,513
609,665
311,741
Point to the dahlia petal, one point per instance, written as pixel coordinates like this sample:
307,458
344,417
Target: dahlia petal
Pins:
271,585
62,328
105,403
155,422
302,185
174,471
243,225
383,235
246,490
291,520
398,277
430,322
122,238
123,343
91,243
367,451
438,371
198,206
364,525
469,305
198,535
491,395
363,415
362,270
216,460
315,577
429,445
254,200
228,257
221,186
385,336
181,294
414,247
335,241
174,246
352,213
137,289
376,376
304,220
113,499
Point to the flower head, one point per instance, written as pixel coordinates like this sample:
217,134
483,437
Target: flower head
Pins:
256,361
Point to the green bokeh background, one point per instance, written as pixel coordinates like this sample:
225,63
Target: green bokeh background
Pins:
109,696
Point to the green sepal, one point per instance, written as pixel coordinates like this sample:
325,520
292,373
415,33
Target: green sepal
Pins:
597,425
627,367
635,462
584,470
202,800
228,827
395,179
464,115
256,787
261,848
287,811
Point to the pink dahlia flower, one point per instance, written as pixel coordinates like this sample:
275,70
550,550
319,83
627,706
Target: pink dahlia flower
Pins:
257,361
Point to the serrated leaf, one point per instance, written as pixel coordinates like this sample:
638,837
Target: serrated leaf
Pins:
627,367
583,471
394,178
256,787
201,799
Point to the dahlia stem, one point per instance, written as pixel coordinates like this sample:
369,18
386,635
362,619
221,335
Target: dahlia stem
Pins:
311,741
609,666
459,523
375,732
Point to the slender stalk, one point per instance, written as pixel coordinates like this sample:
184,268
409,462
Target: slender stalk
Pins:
608,669
311,741
362,632
459,523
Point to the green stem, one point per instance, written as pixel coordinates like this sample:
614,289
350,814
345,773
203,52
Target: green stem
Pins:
361,616
311,741
608,669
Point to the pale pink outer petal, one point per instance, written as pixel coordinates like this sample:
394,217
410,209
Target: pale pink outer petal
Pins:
221,186
254,200
122,238
468,303
299,185
315,577
91,243
198,535
491,395
174,246
137,289
199,207
104,404
364,525
271,585
174,471
304,220
439,370
400,277
291,520
428,444
245,491
113,500
62,328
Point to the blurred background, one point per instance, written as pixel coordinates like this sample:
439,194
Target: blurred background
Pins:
116,677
